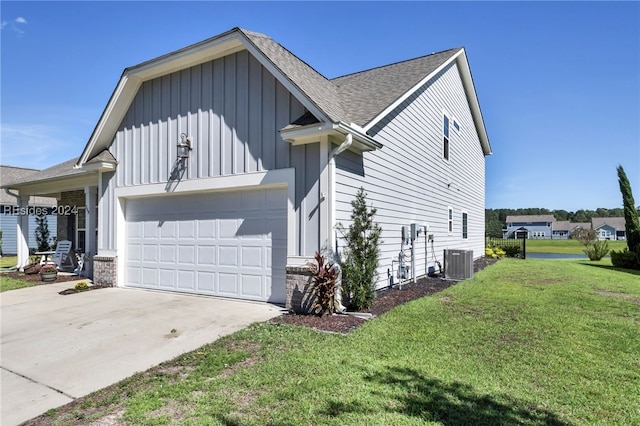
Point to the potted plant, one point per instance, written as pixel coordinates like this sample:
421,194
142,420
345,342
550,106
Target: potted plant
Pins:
48,273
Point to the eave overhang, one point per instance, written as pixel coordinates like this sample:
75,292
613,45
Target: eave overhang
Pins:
313,132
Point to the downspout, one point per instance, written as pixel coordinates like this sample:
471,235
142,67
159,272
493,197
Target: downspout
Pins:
348,140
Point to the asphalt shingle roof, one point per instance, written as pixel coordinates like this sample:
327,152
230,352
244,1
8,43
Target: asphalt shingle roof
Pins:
617,223
355,98
368,93
10,174
531,218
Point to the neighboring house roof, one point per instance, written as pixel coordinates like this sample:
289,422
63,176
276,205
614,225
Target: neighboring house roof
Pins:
10,174
531,218
348,103
617,223
583,225
562,225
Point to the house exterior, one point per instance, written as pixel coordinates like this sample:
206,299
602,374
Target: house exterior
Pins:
609,228
561,229
529,226
9,212
272,156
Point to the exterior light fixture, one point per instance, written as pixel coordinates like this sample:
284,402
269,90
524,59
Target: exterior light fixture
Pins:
184,146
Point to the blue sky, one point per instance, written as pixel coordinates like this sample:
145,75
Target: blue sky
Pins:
558,83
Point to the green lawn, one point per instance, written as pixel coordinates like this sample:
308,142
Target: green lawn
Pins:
565,246
7,283
526,342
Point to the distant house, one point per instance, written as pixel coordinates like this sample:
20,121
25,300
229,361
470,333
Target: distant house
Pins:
609,228
9,211
561,229
529,226
546,227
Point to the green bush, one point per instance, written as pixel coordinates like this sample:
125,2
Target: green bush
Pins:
597,249
625,259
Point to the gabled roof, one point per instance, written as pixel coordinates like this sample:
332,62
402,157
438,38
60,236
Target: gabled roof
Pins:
617,223
583,225
347,103
369,92
531,218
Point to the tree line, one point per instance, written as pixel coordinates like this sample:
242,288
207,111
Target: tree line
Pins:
496,219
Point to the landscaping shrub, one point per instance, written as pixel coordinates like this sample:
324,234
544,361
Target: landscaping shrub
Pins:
323,281
360,267
494,252
597,249
81,286
625,259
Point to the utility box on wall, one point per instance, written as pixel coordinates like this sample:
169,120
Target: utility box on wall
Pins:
458,264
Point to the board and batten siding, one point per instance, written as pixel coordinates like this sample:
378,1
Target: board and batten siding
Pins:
409,181
233,108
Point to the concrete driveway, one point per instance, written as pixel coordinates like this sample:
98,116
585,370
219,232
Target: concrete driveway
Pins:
56,348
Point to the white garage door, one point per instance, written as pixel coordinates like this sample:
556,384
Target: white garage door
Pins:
230,244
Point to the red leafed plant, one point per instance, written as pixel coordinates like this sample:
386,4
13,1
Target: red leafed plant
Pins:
323,285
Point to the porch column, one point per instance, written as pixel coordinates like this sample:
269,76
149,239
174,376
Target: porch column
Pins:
23,231
91,220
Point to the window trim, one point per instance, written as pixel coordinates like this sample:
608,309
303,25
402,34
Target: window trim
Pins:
449,220
446,136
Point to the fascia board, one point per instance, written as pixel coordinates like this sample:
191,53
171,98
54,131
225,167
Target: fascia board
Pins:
59,184
474,104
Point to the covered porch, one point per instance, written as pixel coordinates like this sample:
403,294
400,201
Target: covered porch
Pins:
77,191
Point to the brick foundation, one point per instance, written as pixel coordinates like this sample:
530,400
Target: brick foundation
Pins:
105,270
298,297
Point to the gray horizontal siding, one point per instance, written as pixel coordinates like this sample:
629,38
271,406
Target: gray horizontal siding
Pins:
9,226
407,181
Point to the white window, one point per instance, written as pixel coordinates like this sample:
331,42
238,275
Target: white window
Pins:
450,219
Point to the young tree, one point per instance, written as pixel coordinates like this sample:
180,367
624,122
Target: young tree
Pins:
360,266
42,233
632,225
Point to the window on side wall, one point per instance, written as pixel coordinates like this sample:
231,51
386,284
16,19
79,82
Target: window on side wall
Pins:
465,221
450,219
445,132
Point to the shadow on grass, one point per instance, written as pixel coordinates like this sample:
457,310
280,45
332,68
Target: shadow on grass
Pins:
410,393
612,268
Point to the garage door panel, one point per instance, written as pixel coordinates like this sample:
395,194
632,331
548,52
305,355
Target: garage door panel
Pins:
207,255
228,284
216,244
149,253
252,285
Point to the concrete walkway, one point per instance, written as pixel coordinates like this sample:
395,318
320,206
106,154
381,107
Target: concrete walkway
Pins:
56,348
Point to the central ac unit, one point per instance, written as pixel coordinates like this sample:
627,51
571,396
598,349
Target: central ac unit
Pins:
458,264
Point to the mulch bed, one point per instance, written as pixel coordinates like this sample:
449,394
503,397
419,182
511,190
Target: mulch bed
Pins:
386,299
36,277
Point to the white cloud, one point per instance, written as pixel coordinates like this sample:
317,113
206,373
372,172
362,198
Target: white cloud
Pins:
14,25
36,146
